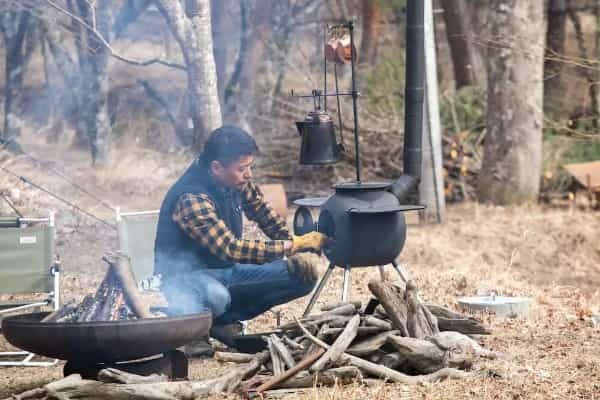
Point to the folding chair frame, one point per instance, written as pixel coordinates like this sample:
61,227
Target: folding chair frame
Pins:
53,299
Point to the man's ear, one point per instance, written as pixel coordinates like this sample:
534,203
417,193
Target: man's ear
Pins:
216,168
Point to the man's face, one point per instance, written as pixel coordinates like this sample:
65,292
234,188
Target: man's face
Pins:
234,175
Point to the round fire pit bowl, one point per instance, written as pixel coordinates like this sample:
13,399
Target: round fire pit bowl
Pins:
103,341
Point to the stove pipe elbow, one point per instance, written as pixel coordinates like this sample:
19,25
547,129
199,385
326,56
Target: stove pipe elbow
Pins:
413,101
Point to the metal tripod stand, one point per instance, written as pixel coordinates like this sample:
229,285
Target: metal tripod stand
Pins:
346,284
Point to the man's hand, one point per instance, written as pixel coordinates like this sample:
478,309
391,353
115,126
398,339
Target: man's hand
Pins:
312,241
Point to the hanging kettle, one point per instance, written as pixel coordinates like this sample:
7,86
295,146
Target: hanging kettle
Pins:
319,145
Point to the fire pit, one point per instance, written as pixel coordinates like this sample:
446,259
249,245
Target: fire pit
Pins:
103,342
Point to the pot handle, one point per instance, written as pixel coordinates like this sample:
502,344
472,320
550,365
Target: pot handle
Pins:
383,210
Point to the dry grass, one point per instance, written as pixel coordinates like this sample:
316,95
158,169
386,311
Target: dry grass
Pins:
550,255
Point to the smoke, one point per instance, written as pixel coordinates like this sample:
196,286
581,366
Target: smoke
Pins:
193,291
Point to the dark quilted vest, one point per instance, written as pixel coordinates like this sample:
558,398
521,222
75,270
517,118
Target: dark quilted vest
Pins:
174,251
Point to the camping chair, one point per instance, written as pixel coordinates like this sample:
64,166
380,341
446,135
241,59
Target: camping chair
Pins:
136,232
27,266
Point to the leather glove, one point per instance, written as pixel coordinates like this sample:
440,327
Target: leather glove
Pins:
312,241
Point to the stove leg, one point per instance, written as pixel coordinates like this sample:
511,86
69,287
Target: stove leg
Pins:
400,271
346,286
382,273
317,292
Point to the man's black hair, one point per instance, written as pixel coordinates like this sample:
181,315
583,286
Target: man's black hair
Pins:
226,145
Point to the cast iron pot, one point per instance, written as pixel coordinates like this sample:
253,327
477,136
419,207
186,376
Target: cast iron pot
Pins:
365,222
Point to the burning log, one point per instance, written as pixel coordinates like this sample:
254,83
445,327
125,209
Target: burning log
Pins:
116,298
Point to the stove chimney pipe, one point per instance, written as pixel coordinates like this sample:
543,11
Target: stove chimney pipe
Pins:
413,100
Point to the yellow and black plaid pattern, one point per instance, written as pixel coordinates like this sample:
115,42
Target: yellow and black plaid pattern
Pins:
260,212
197,215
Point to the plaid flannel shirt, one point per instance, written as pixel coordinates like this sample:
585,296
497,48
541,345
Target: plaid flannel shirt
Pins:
197,215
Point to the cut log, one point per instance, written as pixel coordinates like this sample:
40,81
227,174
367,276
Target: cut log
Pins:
444,312
426,357
468,326
449,320
292,343
370,345
113,375
122,269
276,362
65,312
328,307
330,377
333,333
339,346
344,309
239,358
73,387
393,360
370,320
451,341
420,322
284,352
301,366
387,373
339,322
317,321
86,309
392,300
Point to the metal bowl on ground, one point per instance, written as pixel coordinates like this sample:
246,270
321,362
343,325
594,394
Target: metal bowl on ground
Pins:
502,306
103,341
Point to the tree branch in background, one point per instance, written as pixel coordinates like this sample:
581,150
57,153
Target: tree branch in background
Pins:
103,41
173,119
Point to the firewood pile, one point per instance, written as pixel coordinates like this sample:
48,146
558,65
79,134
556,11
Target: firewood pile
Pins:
462,163
115,299
395,337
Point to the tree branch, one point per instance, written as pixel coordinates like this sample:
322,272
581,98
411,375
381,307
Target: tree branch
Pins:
107,45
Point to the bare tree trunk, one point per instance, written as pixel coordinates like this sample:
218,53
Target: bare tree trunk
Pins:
93,89
555,48
14,26
243,100
596,70
222,41
512,158
371,14
478,17
587,71
231,86
460,39
129,13
192,30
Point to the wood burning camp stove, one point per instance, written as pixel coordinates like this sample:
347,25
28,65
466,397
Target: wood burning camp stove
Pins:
364,220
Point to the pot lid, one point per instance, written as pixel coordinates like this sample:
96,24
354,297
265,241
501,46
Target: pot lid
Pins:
311,201
359,185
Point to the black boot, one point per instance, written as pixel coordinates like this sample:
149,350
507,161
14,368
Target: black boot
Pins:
198,348
226,333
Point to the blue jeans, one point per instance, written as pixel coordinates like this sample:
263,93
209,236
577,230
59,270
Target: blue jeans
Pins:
238,293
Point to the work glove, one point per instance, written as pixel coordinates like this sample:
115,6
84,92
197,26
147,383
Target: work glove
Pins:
312,241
